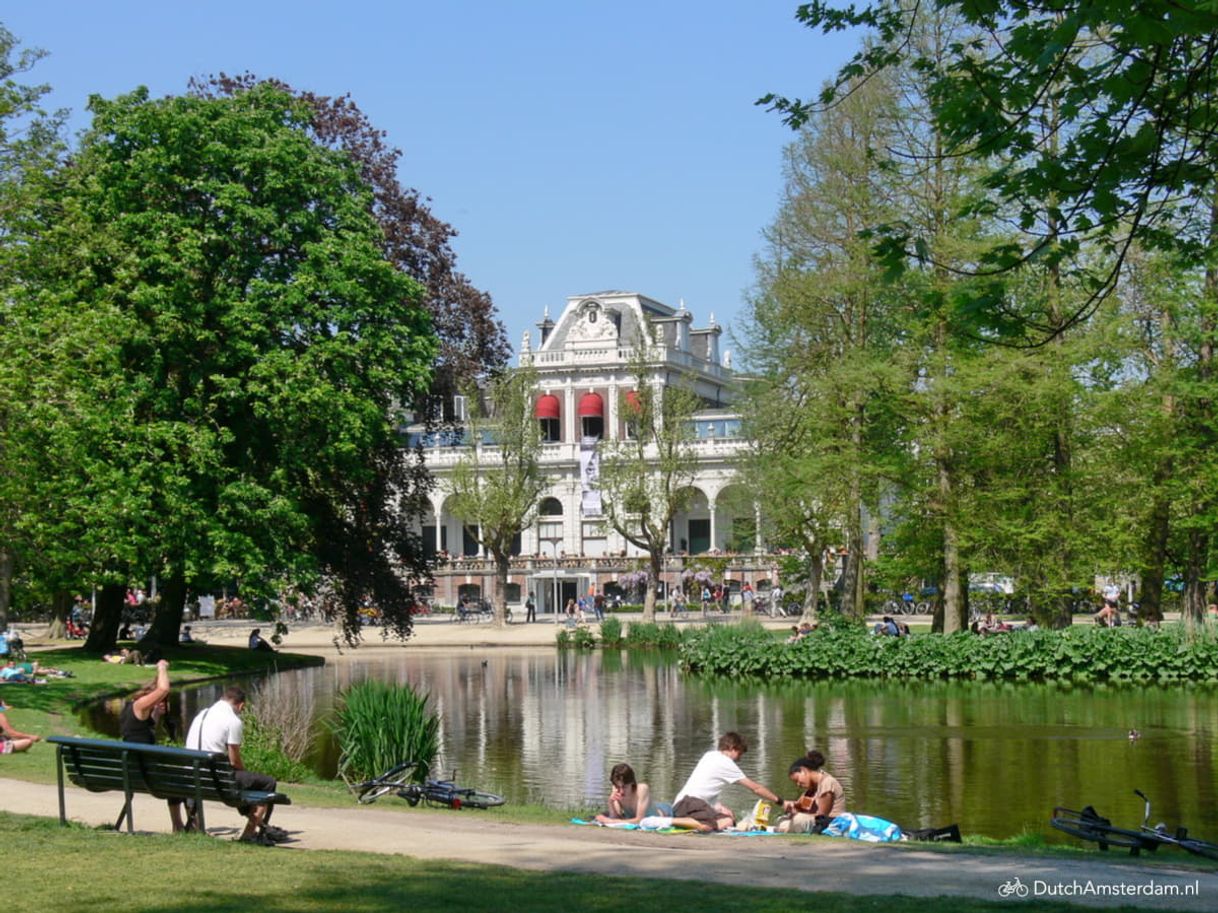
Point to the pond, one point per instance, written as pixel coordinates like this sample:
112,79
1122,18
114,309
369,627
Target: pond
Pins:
544,727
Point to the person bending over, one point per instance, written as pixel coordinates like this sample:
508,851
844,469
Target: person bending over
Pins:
698,799
822,796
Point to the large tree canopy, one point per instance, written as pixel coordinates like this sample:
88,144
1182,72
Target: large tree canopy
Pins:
223,346
1099,115
415,240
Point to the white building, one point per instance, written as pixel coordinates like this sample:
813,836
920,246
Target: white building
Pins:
584,365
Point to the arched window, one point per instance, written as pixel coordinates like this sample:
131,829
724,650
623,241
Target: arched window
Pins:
550,507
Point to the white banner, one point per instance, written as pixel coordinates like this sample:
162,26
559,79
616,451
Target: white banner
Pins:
589,477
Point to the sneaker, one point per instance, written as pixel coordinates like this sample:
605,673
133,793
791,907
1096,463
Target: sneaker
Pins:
275,834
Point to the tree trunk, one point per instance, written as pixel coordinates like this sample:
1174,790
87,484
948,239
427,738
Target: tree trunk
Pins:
1158,528
167,619
816,572
954,611
61,608
503,566
656,560
107,618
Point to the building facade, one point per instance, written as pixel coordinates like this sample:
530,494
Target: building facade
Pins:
587,364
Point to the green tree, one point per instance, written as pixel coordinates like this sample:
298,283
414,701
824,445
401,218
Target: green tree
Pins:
30,145
497,485
1133,91
819,338
645,478
248,344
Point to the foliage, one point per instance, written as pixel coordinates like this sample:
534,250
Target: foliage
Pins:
414,240
645,477
379,725
611,632
1083,654
1129,92
216,340
649,635
30,145
263,750
497,484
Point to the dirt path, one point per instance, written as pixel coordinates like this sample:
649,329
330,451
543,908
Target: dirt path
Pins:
809,865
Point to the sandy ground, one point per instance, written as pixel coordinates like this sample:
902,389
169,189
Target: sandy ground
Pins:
808,865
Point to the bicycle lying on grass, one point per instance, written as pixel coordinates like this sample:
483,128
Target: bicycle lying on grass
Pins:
403,781
1089,825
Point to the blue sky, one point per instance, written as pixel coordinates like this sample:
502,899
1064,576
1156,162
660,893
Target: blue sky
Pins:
576,146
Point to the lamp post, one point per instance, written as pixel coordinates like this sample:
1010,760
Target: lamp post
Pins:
551,531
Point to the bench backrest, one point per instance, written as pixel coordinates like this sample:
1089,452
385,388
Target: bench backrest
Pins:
100,765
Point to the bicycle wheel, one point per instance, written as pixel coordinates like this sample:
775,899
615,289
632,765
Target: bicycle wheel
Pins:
1199,847
1085,827
473,798
893,607
922,608
372,790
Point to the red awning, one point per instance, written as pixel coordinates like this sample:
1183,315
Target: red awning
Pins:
591,406
547,406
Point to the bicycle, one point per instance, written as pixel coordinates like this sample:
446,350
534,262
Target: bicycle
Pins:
1089,825
401,780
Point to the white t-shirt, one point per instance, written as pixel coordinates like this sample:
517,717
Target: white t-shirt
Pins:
215,728
1112,591
714,771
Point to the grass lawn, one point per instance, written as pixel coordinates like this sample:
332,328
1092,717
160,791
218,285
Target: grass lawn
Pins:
76,868
51,709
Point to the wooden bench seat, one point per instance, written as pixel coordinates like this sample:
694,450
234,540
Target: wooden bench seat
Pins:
103,765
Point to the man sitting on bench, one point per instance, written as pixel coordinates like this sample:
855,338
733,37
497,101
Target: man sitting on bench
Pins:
219,729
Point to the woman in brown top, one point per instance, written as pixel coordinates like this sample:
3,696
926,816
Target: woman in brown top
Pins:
822,795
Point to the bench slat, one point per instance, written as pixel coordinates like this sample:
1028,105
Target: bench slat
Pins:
162,771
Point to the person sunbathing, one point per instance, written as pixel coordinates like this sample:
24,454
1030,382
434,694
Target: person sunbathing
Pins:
630,801
13,739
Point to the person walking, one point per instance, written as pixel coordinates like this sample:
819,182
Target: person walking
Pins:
530,609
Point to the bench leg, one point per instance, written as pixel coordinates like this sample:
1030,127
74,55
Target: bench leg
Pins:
63,814
125,814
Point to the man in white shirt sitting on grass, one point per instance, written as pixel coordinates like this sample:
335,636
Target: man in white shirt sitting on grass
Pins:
698,799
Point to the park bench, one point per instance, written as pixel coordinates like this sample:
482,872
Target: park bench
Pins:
101,765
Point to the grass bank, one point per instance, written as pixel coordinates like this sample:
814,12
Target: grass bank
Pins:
218,876
53,708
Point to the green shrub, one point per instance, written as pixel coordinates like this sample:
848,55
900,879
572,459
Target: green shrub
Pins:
611,632
1083,654
262,750
583,638
649,635
562,639
380,724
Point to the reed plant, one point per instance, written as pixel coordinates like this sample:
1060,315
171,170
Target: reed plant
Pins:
381,724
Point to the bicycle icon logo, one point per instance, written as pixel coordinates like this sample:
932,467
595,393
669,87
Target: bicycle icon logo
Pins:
1013,888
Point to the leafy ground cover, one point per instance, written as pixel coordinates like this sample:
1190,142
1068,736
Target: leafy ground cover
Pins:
1081,654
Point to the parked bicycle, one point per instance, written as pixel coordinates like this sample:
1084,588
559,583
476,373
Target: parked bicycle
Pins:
1088,824
403,780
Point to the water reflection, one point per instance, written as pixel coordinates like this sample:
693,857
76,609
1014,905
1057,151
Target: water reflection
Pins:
545,727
